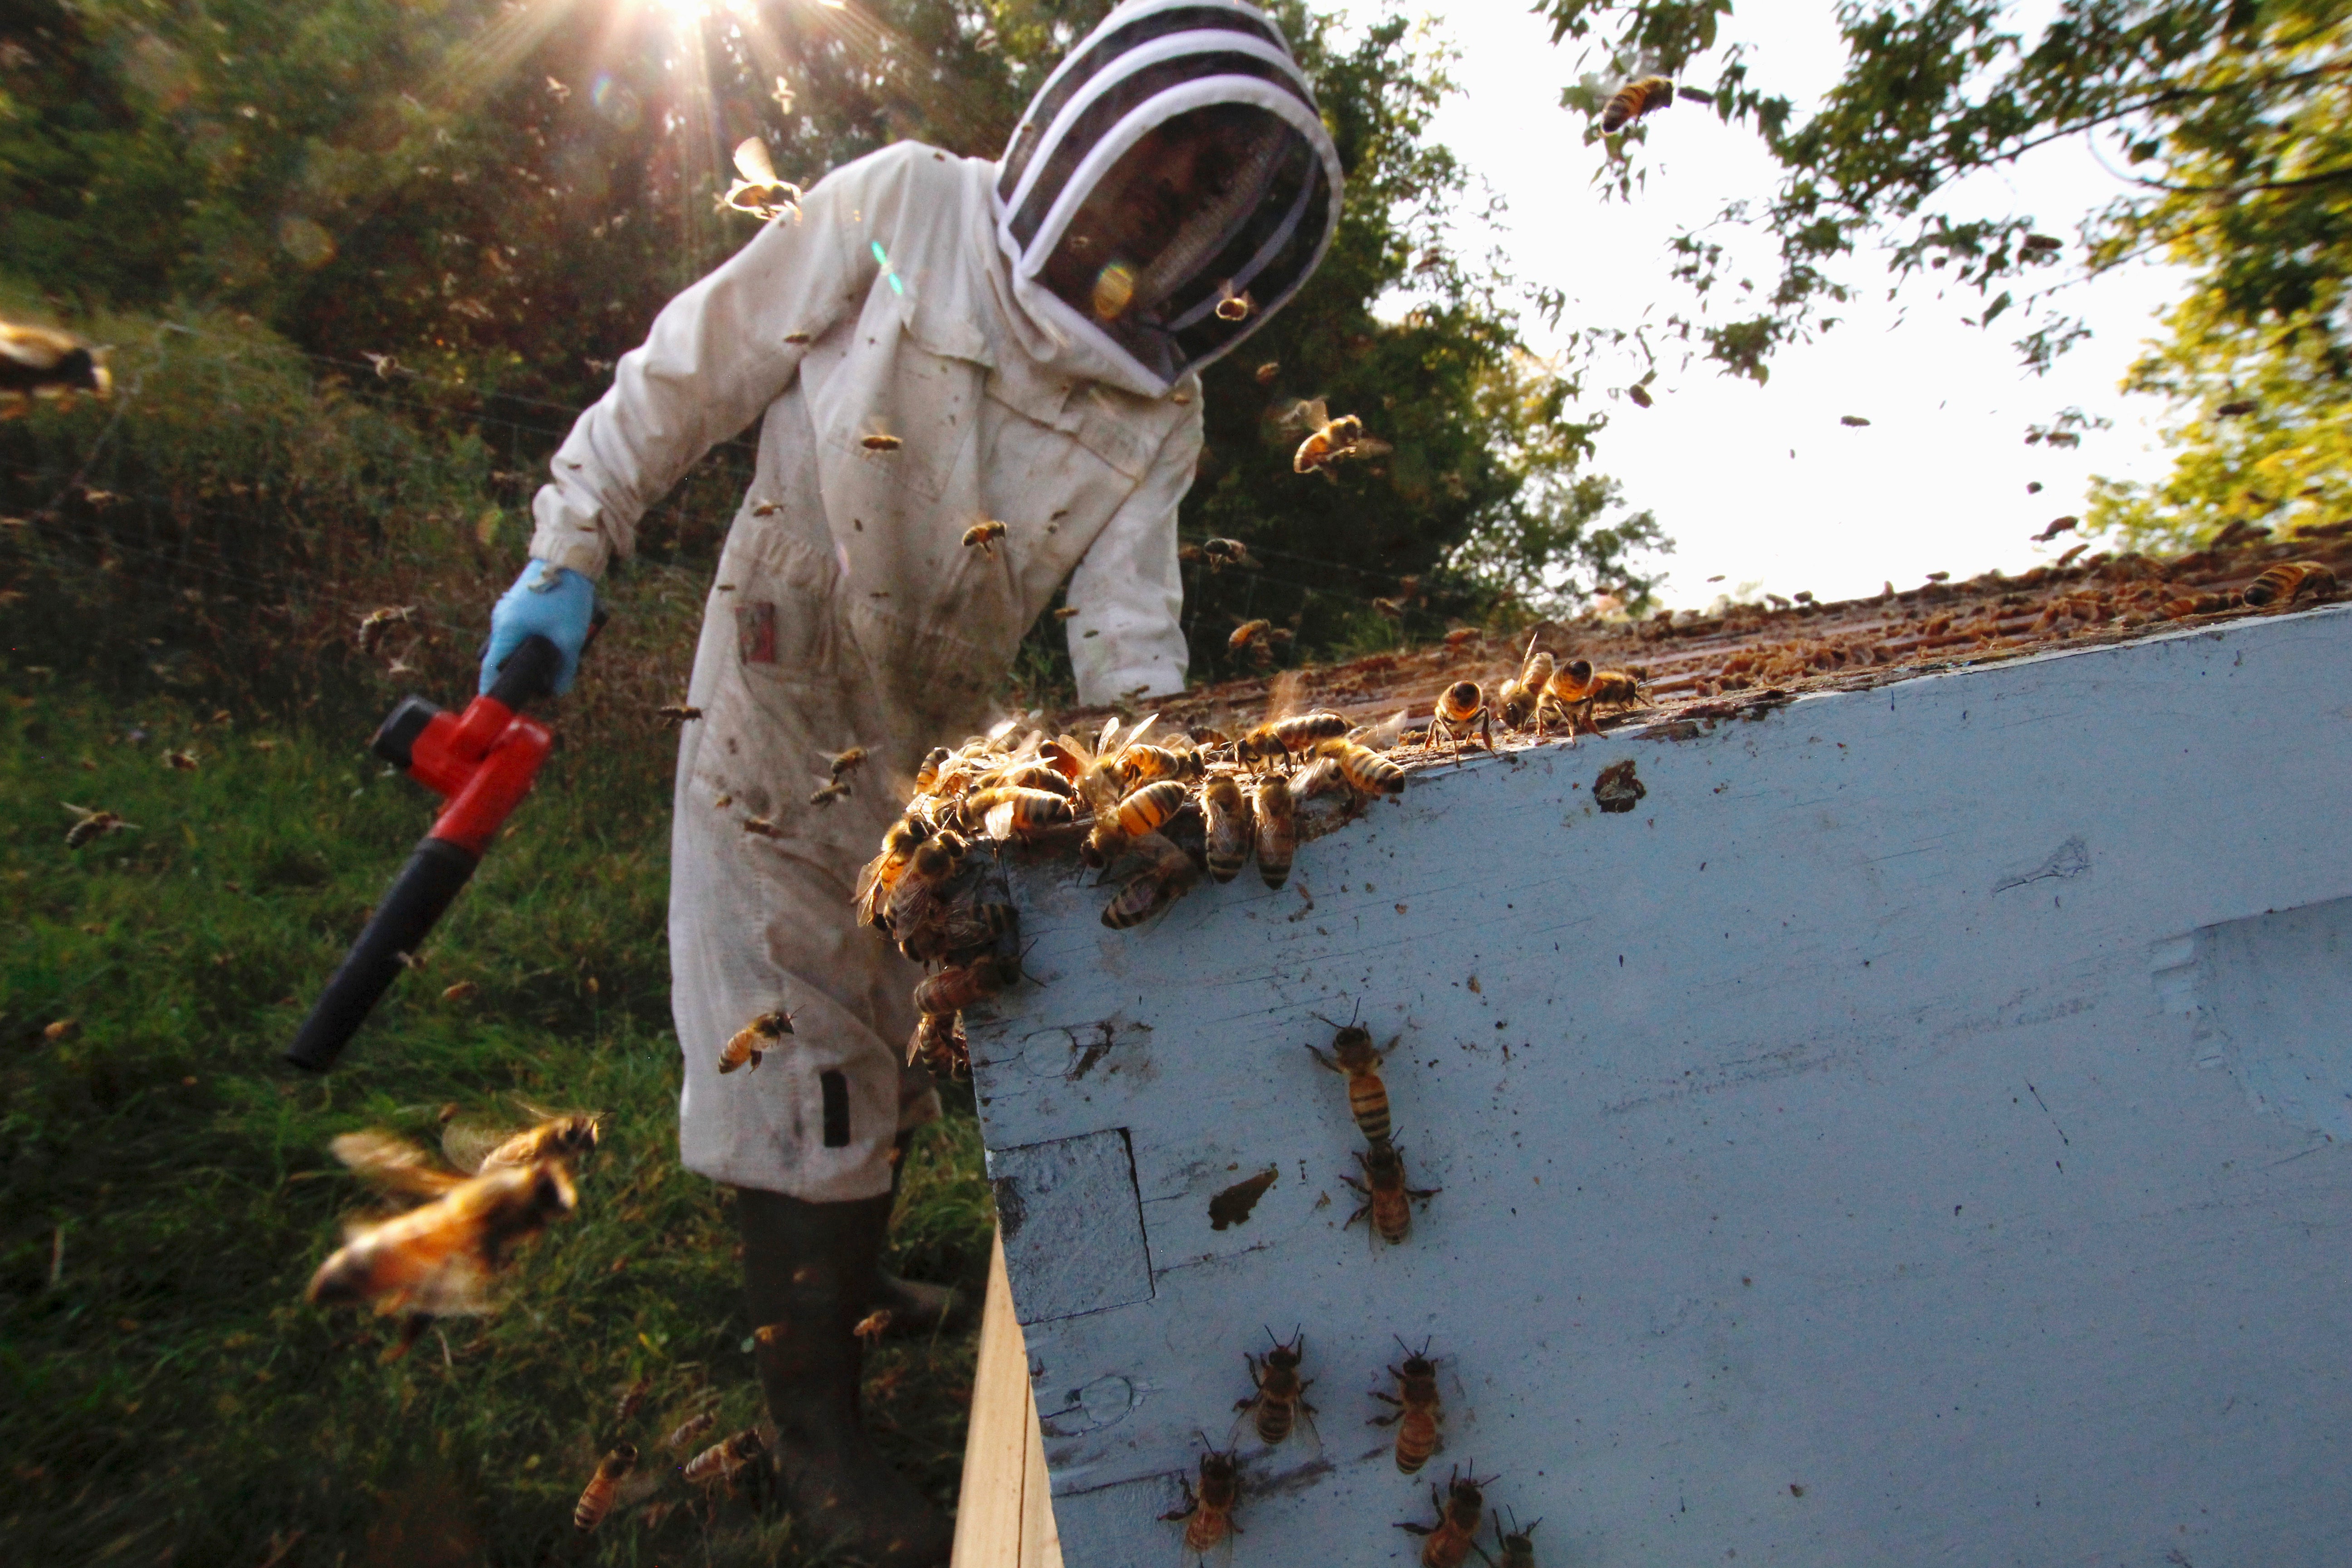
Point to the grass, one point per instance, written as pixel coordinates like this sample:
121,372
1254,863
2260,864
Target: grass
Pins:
165,1395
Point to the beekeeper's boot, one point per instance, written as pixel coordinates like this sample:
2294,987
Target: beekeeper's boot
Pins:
915,1308
808,1270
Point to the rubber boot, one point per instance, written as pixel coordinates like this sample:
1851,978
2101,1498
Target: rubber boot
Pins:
916,1308
808,1269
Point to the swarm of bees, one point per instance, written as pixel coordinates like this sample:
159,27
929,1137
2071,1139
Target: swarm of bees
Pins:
759,192
44,363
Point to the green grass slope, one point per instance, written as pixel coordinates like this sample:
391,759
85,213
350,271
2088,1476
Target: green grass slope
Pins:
165,1395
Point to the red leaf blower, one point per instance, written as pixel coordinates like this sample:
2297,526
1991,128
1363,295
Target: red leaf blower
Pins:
481,762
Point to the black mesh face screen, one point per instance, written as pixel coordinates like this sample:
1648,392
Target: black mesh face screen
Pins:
1101,51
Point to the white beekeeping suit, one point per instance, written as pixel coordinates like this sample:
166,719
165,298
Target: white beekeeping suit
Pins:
915,371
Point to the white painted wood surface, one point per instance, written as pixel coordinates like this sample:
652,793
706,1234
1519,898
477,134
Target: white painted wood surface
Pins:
1923,1100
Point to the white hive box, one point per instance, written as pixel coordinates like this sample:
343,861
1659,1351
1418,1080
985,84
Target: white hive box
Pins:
1910,1135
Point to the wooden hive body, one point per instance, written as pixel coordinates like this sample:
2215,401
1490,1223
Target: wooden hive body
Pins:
1906,1136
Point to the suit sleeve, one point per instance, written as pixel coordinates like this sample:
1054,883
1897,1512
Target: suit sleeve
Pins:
714,360
1127,590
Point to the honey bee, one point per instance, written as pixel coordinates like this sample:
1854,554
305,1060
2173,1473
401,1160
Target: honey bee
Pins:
631,1398
1281,1396
1639,396
1279,739
1038,772
1249,635
1138,812
438,1259
1386,1197
1277,815
984,536
1065,612
677,713
1266,373
479,1148
759,192
596,1502
1460,1508
873,1326
41,361
1010,811
1459,706
1366,772
1634,99
1392,609
2289,580
1221,553
182,762
1140,765
719,1461
687,1430
1230,828
939,1044
1517,1548
1521,702
953,989
1168,879
825,795
1232,307
1209,1514
376,623
93,824
880,443
1331,440
754,1040
1462,636
881,874
934,862
1578,687
1418,1410
797,338
462,991
927,773
1353,1056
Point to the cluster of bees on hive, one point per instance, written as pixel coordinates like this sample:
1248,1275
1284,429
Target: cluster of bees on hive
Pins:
471,1205
1276,1403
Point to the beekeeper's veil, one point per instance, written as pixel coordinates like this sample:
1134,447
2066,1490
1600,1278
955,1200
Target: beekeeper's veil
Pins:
1171,186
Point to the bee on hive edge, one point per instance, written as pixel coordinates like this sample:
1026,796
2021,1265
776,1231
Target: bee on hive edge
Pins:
1521,703
596,1502
1634,99
2289,580
1208,1514
1517,1548
1354,1057
939,1044
1386,1199
1417,1411
1274,809
438,1259
1281,740
881,874
41,361
1168,879
911,900
759,192
1576,689
1281,1396
1460,1508
1140,765
754,1040
1366,772
952,990
983,536
1138,812
1460,706
1010,811
1226,813
93,824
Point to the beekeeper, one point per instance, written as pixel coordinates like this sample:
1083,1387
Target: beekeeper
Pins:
931,343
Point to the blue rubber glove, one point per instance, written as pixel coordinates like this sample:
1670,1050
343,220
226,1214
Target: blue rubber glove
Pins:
553,601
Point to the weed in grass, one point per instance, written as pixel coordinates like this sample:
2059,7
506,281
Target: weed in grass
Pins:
164,1394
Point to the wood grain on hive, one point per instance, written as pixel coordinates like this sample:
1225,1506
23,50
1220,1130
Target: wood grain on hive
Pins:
1902,1129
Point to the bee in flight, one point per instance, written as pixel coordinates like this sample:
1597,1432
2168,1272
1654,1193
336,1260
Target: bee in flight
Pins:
754,1040
847,761
677,713
1266,373
1208,1514
1232,307
759,192
1221,553
1639,396
878,442
439,1258
376,623
1634,99
1331,440
479,1148
41,361
983,536
827,794
687,1430
1065,612
93,824
722,1460
1281,1396
182,761
1449,1542
1417,1411
596,1502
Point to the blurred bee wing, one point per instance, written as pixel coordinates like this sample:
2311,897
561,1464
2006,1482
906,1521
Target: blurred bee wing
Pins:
1282,697
1142,725
997,824
1370,447
1314,413
1383,735
751,162
467,1142
1110,734
393,1163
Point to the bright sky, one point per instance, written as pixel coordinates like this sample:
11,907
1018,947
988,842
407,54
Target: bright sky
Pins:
1937,480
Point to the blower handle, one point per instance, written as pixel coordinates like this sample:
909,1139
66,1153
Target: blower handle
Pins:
530,671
